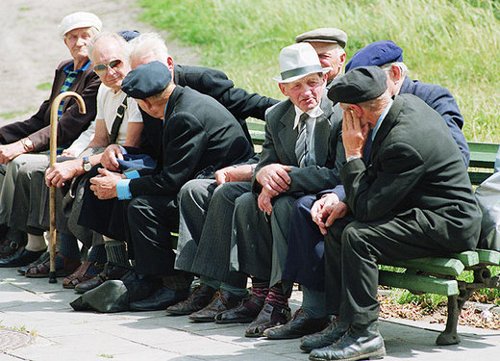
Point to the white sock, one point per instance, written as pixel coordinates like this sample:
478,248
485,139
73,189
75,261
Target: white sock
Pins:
35,243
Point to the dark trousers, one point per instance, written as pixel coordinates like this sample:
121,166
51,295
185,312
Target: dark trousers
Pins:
305,259
143,222
352,252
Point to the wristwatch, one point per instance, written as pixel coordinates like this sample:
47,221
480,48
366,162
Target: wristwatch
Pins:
86,164
27,144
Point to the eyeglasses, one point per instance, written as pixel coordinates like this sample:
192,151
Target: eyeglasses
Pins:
102,68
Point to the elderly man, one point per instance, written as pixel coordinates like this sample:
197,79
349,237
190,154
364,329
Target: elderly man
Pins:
118,120
149,47
32,135
329,44
387,55
198,135
207,207
299,154
412,198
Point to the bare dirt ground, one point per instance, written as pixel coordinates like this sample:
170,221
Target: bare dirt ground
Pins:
31,47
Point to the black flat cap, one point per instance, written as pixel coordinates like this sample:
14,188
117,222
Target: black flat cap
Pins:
359,85
146,80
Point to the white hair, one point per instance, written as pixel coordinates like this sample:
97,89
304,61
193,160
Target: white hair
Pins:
149,44
402,66
109,35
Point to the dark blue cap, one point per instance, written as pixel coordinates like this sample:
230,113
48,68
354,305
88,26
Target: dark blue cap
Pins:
129,34
147,80
358,85
378,53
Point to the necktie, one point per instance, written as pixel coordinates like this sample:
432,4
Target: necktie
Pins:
301,144
368,148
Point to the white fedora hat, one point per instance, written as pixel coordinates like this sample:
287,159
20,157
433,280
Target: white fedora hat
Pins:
297,61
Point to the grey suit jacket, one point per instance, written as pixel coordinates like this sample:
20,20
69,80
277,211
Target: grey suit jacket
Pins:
279,147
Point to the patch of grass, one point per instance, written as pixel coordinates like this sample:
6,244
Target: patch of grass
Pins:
452,43
21,328
44,86
105,355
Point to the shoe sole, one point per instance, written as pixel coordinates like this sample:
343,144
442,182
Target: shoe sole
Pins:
374,355
226,322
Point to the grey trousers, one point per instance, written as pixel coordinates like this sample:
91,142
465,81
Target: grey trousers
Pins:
17,202
206,215
8,183
261,239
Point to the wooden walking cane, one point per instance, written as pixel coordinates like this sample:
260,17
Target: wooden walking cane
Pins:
53,154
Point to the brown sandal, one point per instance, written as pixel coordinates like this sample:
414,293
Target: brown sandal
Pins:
85,272
42,270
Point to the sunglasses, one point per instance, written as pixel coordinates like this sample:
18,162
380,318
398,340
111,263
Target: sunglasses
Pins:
102,68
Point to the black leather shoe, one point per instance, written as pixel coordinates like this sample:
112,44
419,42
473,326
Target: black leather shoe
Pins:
300,325
8,248
222,301
356,344
246,312
269,316
111,272
22,257
159,300
327,337
198,299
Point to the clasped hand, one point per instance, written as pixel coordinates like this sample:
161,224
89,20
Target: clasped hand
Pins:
326,210
104,184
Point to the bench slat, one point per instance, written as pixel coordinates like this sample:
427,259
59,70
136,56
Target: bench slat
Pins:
468,258
435,265
416,283
489,257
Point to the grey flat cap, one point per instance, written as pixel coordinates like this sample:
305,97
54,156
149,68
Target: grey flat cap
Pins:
325,35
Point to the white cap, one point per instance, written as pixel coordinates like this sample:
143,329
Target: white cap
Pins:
80,19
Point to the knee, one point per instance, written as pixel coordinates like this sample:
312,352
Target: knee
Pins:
353,240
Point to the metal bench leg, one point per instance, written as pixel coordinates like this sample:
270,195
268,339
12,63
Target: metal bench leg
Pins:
449,336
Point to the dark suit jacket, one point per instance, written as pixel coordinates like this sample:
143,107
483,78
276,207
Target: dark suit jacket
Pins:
216,84
441,100
279,147
199,137
71,123
415,170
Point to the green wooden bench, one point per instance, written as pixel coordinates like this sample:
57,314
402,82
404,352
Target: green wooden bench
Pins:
435,274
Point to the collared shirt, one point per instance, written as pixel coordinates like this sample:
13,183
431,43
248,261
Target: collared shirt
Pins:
381,119
313,115
71,75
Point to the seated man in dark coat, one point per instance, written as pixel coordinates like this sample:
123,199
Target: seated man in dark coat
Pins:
198,136
305,262
412,198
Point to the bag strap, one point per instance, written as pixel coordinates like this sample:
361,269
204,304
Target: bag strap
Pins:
118,121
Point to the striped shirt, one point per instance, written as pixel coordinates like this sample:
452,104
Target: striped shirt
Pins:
71,75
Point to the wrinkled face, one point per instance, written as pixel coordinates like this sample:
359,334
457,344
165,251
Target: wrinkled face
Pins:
77,40
306,92
329,56
110,62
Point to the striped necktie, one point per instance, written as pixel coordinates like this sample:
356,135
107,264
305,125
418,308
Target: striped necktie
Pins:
301,144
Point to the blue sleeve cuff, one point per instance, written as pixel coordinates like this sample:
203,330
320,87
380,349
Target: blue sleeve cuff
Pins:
123,189
133,174
339,191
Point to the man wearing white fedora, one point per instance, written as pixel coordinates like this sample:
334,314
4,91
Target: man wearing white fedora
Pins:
301,150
